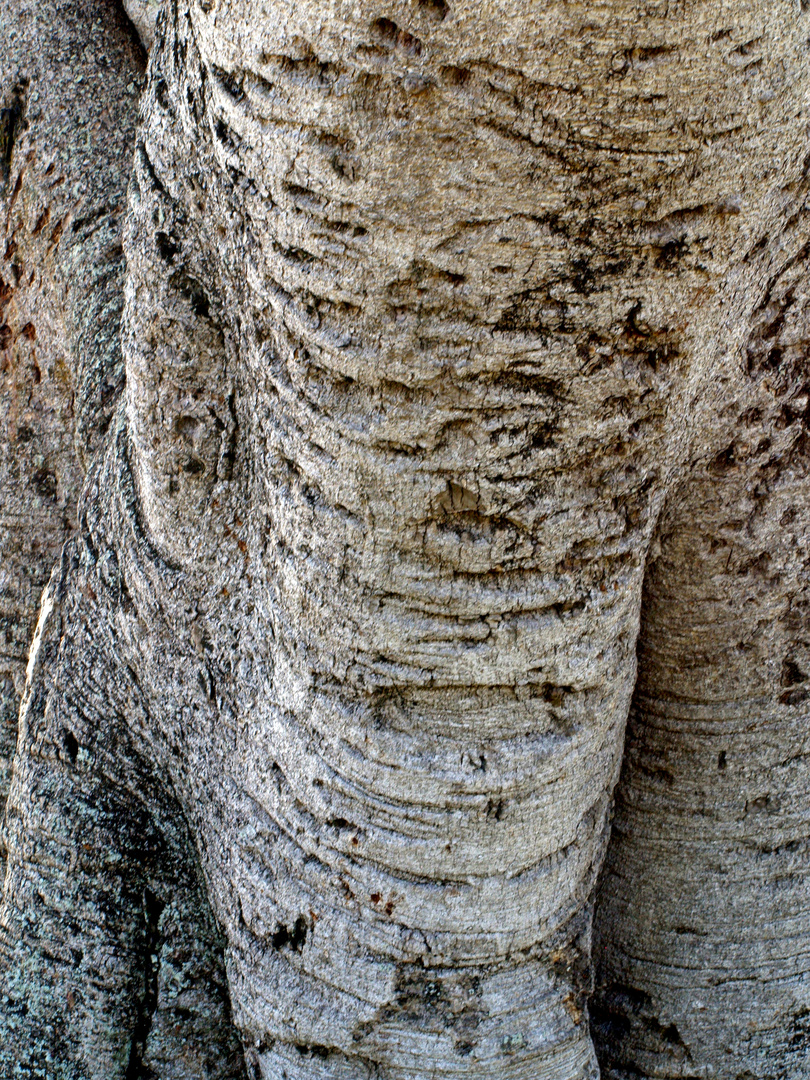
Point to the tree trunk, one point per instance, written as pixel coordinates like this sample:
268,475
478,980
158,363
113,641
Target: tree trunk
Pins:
70,75
702,948
431,311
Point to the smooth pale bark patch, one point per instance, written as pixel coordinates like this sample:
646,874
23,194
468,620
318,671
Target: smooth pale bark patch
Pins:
701,935
143,14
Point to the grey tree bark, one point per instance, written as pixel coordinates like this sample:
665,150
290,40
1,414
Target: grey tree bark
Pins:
465,362
63,185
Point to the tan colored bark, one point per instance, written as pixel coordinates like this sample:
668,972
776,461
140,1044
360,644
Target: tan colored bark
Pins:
701,947
429,311
143,14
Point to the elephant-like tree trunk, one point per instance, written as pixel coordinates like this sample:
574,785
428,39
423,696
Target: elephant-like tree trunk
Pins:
431,309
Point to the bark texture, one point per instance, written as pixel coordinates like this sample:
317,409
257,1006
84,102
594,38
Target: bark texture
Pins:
703,957
143,14
446,323
70,76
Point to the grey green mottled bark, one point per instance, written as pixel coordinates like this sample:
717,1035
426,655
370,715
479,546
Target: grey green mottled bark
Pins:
447,325
70,75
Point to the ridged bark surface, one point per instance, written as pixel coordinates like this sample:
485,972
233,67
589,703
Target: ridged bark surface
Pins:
702,949
126,944
432,311
70,75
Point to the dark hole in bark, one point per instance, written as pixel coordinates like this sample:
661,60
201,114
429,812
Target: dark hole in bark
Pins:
724,460
386,30
71,745
721,760
193,292
162,94
44,482
193,466
671,252
636,327
555,695
167,248
456,76
226,136
230,81
313,1050
187,426
671,1035
11,123
294,938
792,674
436,9
800,1035
794,697
611,1014
340,823
147,168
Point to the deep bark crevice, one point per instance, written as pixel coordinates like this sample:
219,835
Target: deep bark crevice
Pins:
152,909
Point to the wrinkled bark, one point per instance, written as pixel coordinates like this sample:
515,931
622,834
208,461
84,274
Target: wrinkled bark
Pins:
701,947
70,75
452,336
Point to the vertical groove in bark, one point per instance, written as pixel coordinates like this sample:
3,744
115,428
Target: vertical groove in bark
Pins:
152,910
